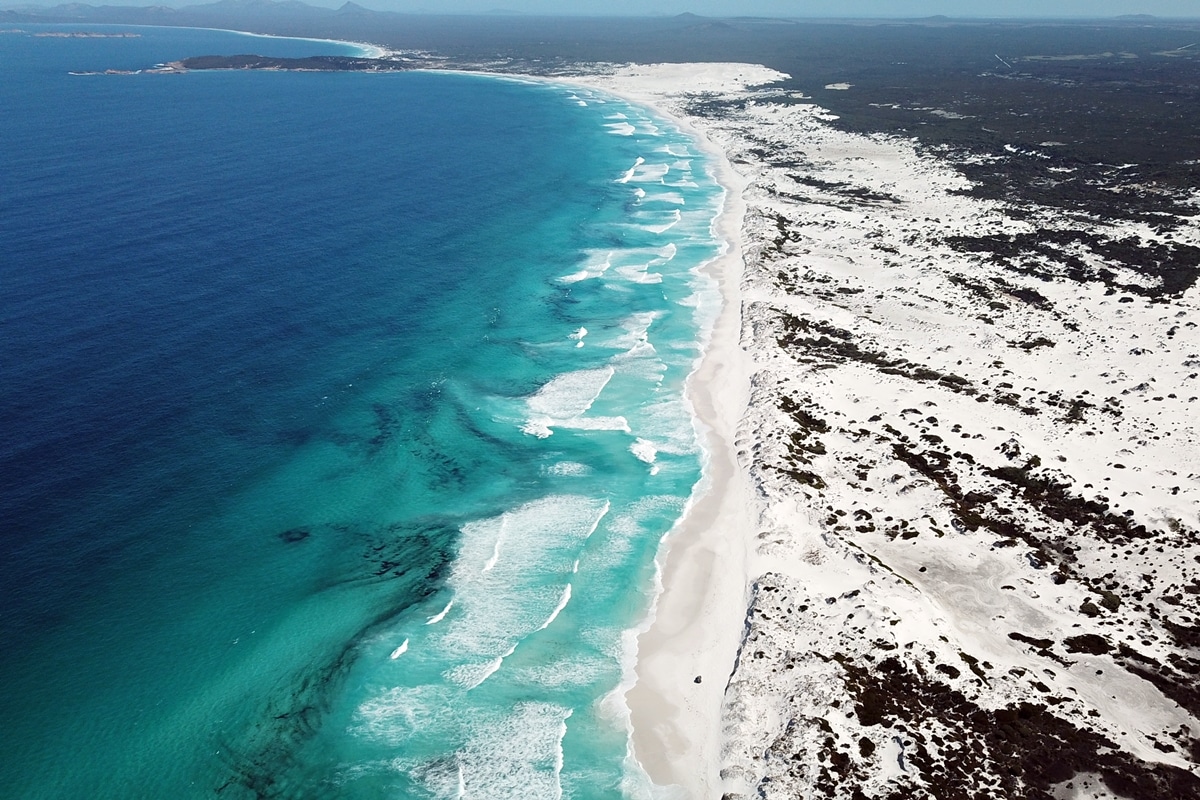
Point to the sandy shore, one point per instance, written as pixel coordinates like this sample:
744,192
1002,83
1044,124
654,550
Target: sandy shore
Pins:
954,487
686,652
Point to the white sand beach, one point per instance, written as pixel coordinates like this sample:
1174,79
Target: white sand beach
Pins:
950,526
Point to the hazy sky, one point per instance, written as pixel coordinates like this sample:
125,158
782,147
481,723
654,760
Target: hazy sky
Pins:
733,8
804,8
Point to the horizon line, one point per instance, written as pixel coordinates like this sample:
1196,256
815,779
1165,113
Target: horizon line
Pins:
593,15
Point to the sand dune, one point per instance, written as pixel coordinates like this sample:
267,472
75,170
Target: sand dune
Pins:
949,544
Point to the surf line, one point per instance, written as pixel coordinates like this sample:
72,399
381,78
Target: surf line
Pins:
632,171
441,615
494,665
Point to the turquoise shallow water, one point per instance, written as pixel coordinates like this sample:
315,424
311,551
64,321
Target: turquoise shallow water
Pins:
347,419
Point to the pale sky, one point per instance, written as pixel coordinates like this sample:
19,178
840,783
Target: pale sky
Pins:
803,8
734,8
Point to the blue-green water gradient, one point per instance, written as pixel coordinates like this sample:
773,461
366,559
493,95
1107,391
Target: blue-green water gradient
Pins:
344,417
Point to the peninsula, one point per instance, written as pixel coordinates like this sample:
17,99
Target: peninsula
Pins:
307,64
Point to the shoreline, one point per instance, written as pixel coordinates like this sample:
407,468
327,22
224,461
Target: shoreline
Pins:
367,50
690,635
875,570
694,625
870,570
693,628
961,470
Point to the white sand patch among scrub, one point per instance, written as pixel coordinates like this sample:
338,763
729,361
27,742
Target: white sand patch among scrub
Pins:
949,537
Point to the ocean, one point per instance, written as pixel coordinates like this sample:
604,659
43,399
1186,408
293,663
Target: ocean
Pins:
343,418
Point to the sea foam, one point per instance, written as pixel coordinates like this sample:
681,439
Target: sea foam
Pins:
563,401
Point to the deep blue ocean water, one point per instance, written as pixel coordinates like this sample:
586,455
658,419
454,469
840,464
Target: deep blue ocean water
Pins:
342,421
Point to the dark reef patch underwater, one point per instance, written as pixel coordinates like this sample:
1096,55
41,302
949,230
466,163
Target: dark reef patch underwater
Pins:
343,419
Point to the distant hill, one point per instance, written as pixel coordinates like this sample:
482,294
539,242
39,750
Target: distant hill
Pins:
223,9
260,8
83,11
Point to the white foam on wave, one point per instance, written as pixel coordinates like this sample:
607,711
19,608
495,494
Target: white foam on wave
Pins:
639,358
618,115
573,670
596,523
534,552
675,217
636,329
637,273
399,651
628,176
560,756
491,562
515,755
598,264
525,549
668,423
644,172
686,179
543,427
644,450
578,336
540,538
471,676
631,522
642,362
570,394
563,401
674,198
562,603
675,149
621,128
568,469
441,615
396,714
495,764
614,705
